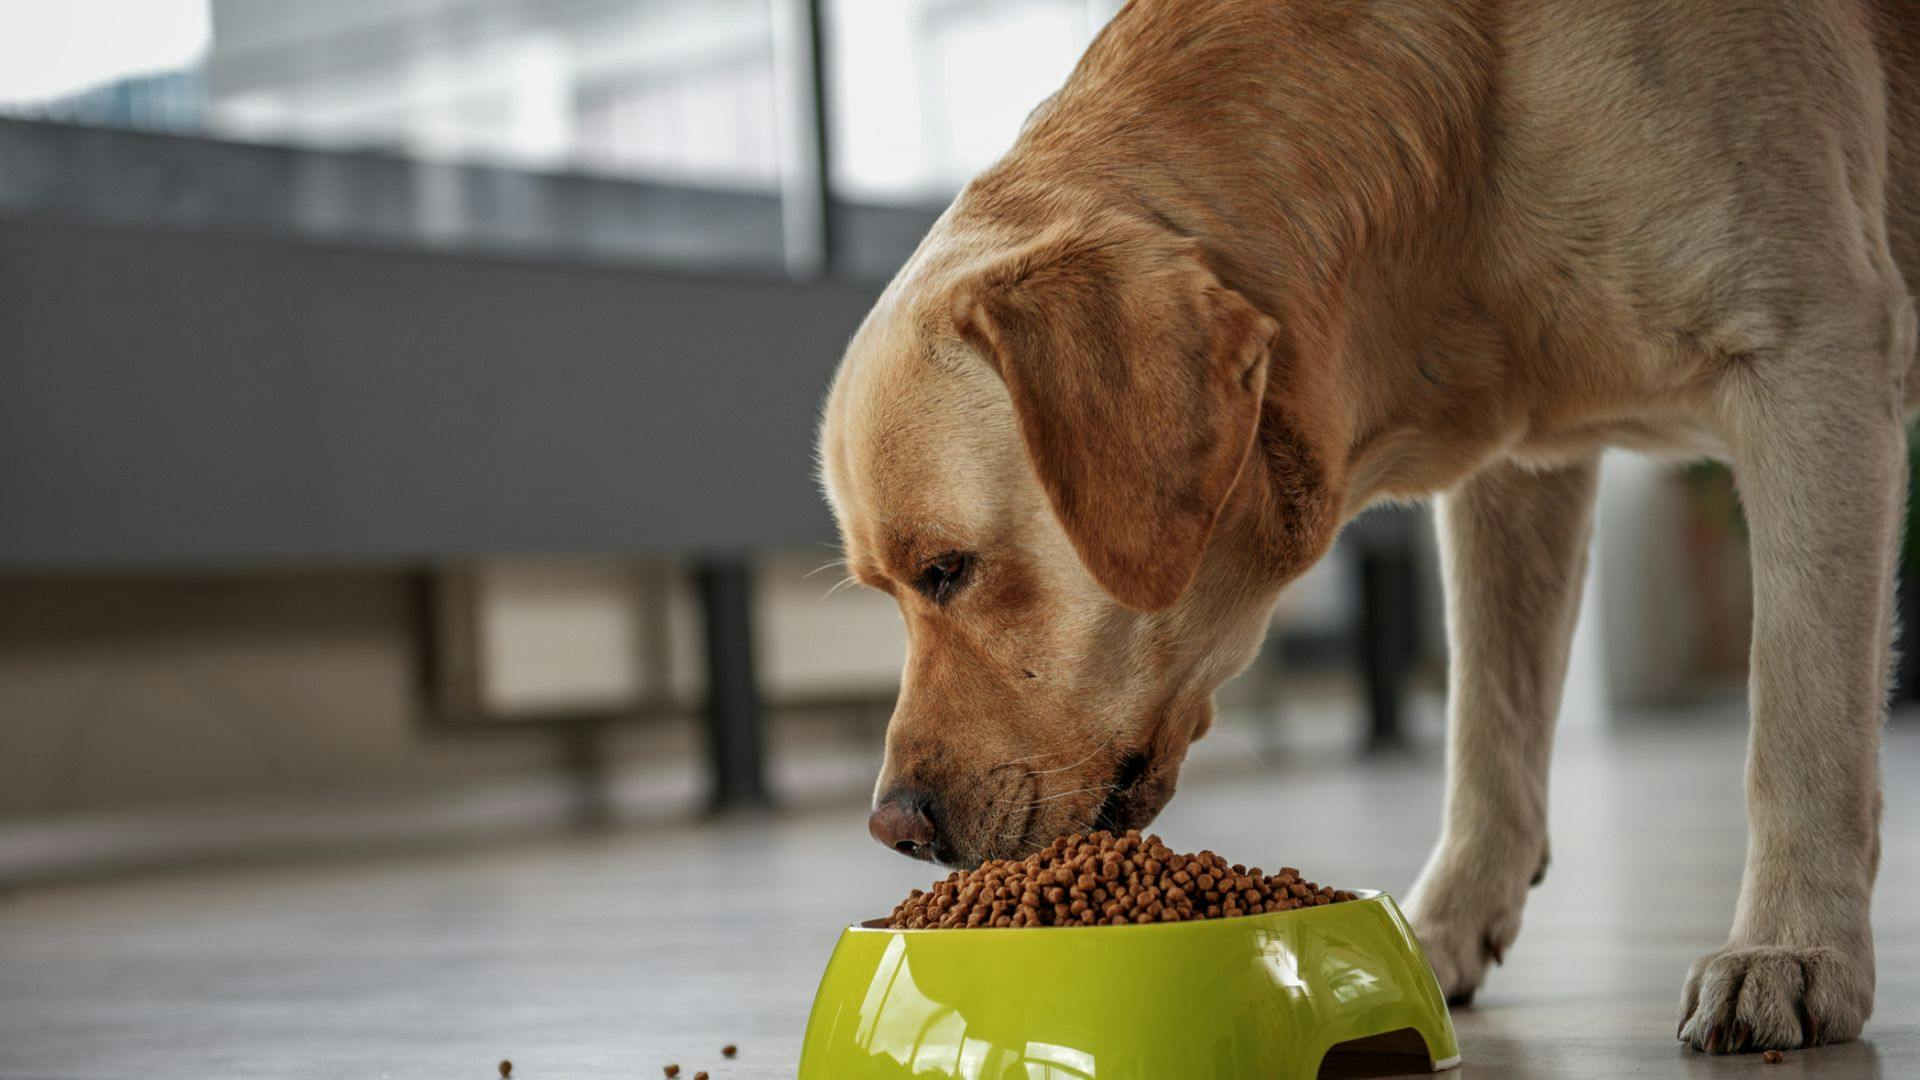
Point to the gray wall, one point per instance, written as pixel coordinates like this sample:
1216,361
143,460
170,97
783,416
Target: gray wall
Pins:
190,397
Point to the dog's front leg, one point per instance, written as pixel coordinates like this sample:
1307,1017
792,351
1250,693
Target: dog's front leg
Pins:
1514,546
1821,465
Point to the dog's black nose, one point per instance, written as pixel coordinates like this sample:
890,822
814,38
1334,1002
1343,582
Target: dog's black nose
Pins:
903,820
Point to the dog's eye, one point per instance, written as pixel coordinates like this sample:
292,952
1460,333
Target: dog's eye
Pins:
942,577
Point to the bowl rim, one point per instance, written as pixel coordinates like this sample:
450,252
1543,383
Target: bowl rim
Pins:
878,926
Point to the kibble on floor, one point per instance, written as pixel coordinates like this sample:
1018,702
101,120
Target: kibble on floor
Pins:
1103,879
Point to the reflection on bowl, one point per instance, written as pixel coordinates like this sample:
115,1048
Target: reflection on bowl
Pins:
1255,996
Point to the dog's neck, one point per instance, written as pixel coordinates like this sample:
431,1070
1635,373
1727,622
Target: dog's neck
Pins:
1326,180
1293,164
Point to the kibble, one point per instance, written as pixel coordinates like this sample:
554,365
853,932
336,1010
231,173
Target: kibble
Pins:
672,1070
506,1068
729,1050
699,1076
1773,1057
1100,879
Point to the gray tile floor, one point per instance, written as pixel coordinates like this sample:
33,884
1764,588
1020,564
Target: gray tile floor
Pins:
609,956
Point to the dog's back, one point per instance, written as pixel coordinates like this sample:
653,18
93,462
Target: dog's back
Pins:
1897,29
1898,33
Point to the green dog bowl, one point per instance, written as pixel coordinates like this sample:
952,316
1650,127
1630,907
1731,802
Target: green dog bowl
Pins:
1264,996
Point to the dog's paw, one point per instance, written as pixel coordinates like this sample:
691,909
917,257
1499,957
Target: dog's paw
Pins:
1461,946
1768,997
1465,922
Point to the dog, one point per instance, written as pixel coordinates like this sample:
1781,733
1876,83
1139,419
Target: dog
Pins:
1260,264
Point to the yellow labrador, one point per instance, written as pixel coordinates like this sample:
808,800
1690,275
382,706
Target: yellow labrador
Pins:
1261,263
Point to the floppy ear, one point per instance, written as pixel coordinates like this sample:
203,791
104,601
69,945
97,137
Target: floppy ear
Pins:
1136,377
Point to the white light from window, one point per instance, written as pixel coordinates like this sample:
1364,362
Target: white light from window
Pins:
52,48
926,93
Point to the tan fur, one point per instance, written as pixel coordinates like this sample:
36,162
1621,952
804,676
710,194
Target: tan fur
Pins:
1262,263
1074,325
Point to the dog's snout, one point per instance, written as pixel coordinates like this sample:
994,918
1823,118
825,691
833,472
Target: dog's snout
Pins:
904,821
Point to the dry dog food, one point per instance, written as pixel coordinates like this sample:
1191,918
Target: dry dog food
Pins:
1773,1057
672,1071
506,1068
729,1050
1102,879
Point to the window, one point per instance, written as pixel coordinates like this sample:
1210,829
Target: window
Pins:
926,93
677,90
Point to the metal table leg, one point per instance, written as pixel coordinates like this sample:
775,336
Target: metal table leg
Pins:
1389,599
735,739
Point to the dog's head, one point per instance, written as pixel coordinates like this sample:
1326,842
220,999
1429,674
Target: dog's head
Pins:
1061,456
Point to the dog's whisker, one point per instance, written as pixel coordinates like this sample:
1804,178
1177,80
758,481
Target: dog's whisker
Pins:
1010,762
1091,754
1068,794
1055,797
1244,745
1111,735
1001,799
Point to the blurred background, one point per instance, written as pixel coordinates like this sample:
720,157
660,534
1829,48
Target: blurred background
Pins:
406,414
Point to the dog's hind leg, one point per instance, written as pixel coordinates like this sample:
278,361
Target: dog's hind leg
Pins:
1514,543
1820,458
